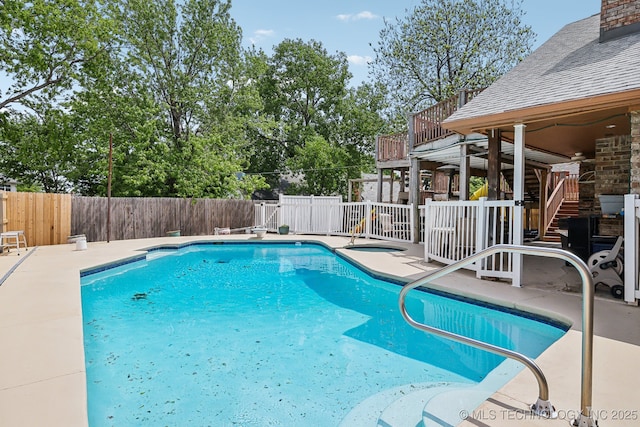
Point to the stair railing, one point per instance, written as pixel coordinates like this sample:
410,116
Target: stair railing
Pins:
542,406
553,203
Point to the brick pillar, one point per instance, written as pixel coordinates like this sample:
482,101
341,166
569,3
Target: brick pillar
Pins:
587,189
635,153
613,176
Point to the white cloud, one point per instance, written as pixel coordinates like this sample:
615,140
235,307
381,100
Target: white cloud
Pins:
359,60
365,14
260,35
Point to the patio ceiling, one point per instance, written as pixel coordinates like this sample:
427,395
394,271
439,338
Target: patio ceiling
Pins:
447,152
573,133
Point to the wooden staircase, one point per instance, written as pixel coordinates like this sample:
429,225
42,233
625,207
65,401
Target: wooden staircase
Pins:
568,209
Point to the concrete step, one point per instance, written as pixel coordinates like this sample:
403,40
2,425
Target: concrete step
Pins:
452,407
398,406
408,410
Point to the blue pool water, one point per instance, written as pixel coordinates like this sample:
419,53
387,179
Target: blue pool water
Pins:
270,334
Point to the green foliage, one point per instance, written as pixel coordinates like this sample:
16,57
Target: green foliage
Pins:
324,167
444,46
38,151
475,182
46,44
302,90
187,110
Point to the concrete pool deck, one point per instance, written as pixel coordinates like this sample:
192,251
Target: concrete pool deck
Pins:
42,372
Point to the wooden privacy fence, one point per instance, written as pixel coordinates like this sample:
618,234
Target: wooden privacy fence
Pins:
137,218
44,218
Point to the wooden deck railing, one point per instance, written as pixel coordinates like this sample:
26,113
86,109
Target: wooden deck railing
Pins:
393,147
427,123
566,189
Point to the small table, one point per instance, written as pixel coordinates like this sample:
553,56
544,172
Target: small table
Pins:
13,239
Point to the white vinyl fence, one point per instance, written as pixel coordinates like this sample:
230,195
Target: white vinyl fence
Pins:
451,231
631,248
454,230
328,216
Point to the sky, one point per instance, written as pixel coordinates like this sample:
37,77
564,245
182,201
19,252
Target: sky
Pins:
350,26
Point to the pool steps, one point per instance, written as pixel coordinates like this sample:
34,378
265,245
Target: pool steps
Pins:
429,404
409,410
371,411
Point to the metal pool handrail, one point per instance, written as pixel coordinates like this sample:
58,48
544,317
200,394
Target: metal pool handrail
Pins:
542,406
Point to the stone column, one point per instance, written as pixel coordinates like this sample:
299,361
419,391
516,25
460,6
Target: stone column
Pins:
634,182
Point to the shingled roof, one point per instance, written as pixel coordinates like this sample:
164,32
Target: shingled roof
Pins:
571,72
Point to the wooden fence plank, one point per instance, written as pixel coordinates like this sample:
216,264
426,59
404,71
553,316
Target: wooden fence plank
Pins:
44,218
48,219
137,217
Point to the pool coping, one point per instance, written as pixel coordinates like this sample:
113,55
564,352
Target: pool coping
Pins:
41,329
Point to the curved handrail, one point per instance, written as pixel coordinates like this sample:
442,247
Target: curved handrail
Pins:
587,320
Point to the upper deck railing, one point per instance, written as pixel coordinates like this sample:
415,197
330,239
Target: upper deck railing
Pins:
427,123
393,147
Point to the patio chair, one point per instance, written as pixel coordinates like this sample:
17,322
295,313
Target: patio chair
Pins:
13,239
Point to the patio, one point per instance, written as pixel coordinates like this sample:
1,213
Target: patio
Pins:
42,363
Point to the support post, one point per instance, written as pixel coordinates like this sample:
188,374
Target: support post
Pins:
493,168
465,172
109,177
380,181
392,176
630,249
518,197
414,197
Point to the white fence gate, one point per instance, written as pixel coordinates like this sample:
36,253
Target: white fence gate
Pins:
454,230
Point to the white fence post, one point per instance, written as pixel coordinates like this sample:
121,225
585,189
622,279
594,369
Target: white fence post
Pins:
481,232
367,215
630,248
413,225
428,203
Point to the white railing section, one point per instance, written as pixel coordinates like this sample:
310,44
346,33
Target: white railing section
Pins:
328,217
266,215
631,248
457,230
451,231
309,214
497,223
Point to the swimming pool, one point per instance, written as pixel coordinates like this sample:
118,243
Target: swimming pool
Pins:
272,334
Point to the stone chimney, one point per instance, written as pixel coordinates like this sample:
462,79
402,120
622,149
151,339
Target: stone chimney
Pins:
619,18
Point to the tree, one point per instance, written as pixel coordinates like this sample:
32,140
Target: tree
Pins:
323,165
38,150
168,98
361,119
46,44
301,90
443,46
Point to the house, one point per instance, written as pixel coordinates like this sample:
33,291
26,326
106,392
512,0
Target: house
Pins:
7,184
577,97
